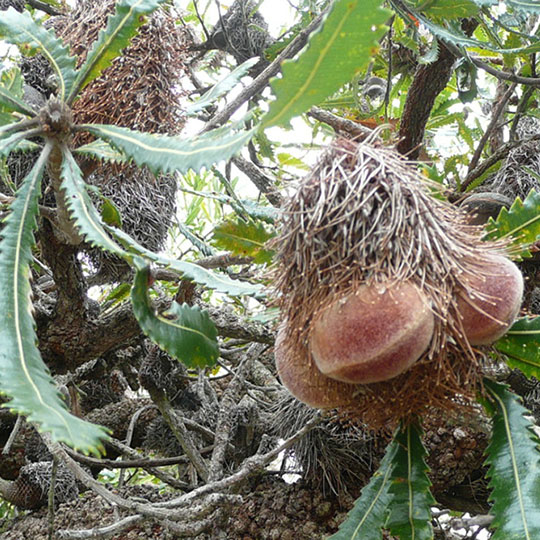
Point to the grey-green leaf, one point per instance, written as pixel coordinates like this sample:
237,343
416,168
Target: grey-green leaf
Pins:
188,335
514,468
25,377
161,153
121,27
31,37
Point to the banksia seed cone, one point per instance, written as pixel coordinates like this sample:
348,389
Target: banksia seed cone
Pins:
366,228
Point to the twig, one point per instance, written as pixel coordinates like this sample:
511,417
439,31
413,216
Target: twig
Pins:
250,466
358,131
262,80
501,153
101,532
52,488
492,124
12,436
263,183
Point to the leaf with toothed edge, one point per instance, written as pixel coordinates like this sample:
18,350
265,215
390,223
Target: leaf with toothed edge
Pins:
101,150
25,377
521,223
20,29
189,335
410,510
82,208
121,27
213,280
11,142
368,516
166,154
11,102
514,468
521,345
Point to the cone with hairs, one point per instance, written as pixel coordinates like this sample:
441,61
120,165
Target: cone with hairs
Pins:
385,290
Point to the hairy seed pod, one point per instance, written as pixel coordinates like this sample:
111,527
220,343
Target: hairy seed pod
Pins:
373,334
491,304
302,378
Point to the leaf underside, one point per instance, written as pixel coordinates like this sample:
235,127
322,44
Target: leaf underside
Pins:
514,469
337,51
25,377
189,335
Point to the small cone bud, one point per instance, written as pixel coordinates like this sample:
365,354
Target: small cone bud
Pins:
372,335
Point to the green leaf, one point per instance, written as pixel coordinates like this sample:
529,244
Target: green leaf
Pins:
10,102
121,27
31,37
514,469
367,518
110,213
99,149
244,238
211,279
7,144
82,208
410,510
161,153
525,6
521,223
336,52
221,88
521,345
25,377
189,336
449,9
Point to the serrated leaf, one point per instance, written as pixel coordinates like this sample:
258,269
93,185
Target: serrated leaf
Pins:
514,469
20,29
525,6
521,345
521,222
83,211
221,88
10,102
367,518
25,377
189,336
121,27
431,54
336,52
211,279
161,153
9,143
410,511
244,238
99,149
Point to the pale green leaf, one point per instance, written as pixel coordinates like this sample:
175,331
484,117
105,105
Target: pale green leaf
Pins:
121,27
188,335
244,238
410,510
99,149
521,224
9,143
340,49
525,6
161,153
221,88
449,9
521,345
514,468
368,516
31,37
10,102
25,377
